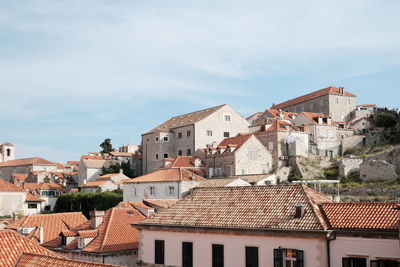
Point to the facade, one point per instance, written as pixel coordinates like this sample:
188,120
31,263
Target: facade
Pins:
16,201
331,101
170,183
7,152
48,192
254,118
238,226
25,166
242,154
283,141
184,134
90,168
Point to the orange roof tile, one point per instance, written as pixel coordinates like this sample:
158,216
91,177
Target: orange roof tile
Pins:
27,161
53,225
6,186
96,183
32,198
362,215
167,175
183,162
88,233
35,260
332,90
13,245
20,177
109,175
121,154
72,162
265,207
160,203
116,232
44,186
286,115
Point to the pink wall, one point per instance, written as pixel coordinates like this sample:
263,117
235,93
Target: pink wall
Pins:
234,248
372,248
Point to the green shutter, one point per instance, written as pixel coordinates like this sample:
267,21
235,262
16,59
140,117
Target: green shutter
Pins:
278,258
345,262
300,258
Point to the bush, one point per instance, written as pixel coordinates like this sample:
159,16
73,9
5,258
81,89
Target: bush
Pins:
386,120
353,177
331,174
86,202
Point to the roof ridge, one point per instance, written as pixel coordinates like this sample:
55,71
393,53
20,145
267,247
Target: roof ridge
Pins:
321,221
107,229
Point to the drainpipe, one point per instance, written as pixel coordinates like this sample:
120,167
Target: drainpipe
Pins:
330,237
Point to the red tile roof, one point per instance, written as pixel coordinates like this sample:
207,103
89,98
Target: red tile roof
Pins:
332,90
257,115
116,232
313,117
121,154
20,177
6,186
167,175
265,207
286,115
53,225
88,233
32,198
236,142
35,260
96,183
44,186
362,215
27,161
160,203
13,245
184,162
72,162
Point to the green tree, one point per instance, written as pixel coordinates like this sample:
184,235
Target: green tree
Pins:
114,168
386,120
106,146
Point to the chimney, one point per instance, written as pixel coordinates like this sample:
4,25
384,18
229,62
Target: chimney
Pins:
329,121
299,211
96,218
320,120
341,90
41,234
121,171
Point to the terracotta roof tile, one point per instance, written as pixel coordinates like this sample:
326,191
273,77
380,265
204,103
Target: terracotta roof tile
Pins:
53,225
286,115
13,245
160,203
88,233
167,175
20,177
121,154
32,198
329,90
96,183
35,260
184,120
184,162
116,232
266,207
6,186
27,161
44,186
362,215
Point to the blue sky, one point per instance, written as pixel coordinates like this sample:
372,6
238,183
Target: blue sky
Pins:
73,73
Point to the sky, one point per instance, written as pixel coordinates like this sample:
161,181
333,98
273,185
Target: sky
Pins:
74,72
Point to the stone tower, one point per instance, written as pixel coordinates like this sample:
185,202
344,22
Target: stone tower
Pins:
7,152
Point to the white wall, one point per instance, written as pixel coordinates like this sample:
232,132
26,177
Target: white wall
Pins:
12,201
234,248
372,248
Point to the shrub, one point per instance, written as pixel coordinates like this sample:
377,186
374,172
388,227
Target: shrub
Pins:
331,174
386,120
352,177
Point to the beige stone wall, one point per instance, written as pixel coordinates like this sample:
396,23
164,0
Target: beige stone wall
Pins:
341,107
317,105
377,170
347,166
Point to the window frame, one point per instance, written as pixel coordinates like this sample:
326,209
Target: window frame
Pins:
156,156
226,134
188,152
250,259
159,247
227,117
215,260
179,135
187,260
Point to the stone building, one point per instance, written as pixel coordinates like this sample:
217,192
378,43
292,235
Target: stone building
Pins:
331,101
283,141
183,135
242,154
25,166
7,152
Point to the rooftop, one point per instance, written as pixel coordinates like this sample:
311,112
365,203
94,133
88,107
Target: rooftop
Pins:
256,207
331,90
362,215
167,175
6,186
184,120
27,161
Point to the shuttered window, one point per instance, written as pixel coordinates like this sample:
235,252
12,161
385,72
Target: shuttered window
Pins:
288,258
187,254
217,255
159,251
354,262
251,256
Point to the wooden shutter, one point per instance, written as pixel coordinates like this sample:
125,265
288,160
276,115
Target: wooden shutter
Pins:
251,256
159,252
217,255
300,258
278,258
187,254
345,262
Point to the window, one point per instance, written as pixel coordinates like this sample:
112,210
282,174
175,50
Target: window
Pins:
270,146
217,255
251,256
187,254
253,155
349,102
227,118
171,190
8,152
288,258
165,156
165,139
179,135
48,207
152,191
156,156
179,152
384,263
337,100
226,134
157,138
209,133
52,193
188,152
159,251
134,191
188,134
354,262
32,206
302,108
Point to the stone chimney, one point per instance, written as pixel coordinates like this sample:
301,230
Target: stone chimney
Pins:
329,121
41,234
320,120
300,211
341,90
96,218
